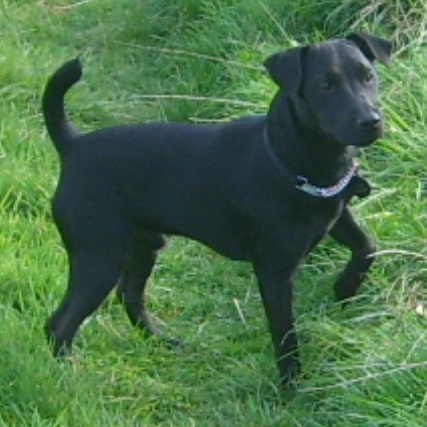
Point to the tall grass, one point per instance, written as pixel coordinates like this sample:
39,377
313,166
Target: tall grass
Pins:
201,61
403,21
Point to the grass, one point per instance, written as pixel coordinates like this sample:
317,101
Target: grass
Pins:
200,61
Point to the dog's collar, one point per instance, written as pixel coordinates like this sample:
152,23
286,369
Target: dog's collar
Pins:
325,192
301,183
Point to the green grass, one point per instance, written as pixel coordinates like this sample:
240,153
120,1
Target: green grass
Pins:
200,61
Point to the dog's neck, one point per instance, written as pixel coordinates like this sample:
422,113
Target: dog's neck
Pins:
322,161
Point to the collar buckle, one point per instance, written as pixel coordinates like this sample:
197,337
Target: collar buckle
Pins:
300,182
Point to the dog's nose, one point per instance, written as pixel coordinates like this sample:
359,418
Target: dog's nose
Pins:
371,121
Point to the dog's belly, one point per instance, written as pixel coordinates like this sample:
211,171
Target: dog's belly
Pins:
217,233
229,246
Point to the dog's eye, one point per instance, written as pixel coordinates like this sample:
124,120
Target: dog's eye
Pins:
368,77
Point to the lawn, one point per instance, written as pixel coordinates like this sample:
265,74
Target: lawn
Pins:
199,61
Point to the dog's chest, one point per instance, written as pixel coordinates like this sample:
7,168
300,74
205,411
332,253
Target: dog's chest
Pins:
321,215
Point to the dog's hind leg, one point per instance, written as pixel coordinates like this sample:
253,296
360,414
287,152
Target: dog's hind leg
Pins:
347,232
93,273
141,258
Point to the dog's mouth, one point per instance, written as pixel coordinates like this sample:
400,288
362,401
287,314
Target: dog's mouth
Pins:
368,136
360,137
354,132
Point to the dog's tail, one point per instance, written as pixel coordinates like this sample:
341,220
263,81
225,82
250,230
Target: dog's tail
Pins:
59,128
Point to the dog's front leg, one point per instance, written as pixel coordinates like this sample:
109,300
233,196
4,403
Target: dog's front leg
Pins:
347,232
275,283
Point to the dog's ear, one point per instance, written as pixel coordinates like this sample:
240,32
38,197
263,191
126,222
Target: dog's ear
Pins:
285,68
372,47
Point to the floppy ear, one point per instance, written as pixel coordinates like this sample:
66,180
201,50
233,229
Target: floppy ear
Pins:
285,69
372,47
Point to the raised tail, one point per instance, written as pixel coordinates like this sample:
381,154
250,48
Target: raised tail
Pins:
59,128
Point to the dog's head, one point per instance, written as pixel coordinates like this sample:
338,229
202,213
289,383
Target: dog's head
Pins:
334,87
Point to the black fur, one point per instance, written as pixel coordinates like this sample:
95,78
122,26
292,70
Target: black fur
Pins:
230,186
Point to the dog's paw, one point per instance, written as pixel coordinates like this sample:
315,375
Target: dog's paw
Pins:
290,372
172,342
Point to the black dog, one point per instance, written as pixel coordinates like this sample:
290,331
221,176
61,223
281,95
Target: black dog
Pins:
263,189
